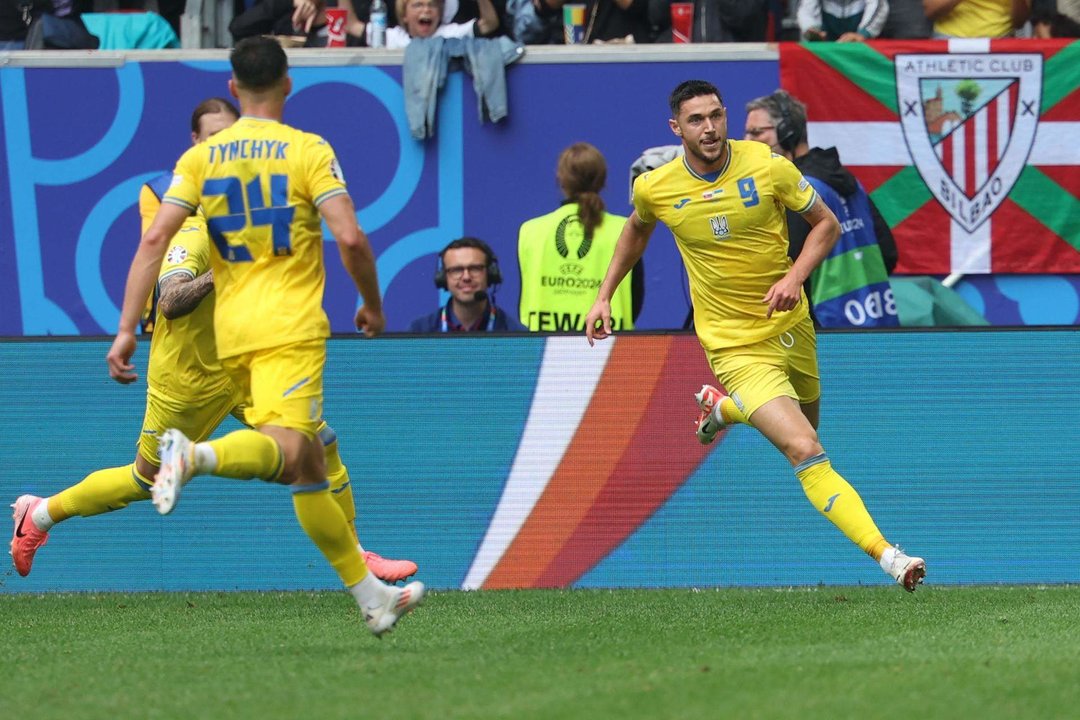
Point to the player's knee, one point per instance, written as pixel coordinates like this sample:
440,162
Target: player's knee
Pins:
292,463
303,463
803,447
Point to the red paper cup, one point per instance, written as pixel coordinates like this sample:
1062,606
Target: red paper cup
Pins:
682,20
335,27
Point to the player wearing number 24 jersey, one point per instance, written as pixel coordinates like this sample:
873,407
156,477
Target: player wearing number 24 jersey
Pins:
186,387
265,189
280,175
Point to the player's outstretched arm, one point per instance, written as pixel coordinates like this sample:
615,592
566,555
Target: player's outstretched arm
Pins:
358,259
141,278
631,245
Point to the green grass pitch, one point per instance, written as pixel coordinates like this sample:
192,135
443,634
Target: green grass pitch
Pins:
977,652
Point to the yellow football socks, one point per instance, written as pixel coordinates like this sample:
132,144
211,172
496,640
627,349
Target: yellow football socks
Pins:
338,475
323,521
246,454
834,498
341,491
730,412
100,492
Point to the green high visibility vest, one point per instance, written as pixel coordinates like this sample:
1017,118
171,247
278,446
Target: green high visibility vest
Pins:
561,271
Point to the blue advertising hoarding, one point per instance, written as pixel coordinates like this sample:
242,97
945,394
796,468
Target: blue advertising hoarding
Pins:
553,464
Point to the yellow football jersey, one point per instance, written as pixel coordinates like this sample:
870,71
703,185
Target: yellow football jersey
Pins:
731,231
260,183
183,360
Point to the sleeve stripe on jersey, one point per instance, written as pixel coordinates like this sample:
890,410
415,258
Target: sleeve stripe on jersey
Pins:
177,201
329,194
810,204
172,273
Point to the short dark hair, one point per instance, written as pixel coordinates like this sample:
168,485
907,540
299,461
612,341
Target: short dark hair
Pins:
258,63
469,242
212,106
690,89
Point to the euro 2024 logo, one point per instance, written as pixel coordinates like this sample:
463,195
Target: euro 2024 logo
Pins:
969,121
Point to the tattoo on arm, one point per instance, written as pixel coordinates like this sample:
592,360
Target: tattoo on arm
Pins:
181,294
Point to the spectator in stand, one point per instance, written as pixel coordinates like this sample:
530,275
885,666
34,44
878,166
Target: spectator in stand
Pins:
470,10
850,288
613,21
1056,21
468,270
730,20
458,12
563,255
171,10
659,16
842,20
12,26
977,18
906,21
284,18
424,19
17,15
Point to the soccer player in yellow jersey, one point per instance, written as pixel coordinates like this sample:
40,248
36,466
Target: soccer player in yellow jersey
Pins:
724,202
186,387
265,188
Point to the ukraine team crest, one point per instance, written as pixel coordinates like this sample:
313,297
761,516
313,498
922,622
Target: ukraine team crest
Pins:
969,121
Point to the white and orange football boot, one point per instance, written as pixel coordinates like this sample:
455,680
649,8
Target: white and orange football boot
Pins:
906,570
399,601
710,422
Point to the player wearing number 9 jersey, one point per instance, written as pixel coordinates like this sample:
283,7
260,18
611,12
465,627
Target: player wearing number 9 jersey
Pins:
265,188
724,201
731,236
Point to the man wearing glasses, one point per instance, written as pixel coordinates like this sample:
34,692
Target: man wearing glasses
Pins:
850,288
468,270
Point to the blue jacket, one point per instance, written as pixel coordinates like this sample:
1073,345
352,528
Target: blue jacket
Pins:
424,74
851,286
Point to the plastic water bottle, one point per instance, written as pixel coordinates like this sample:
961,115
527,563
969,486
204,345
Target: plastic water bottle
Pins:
377,24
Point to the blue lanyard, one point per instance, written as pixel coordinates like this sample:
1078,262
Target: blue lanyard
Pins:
444,325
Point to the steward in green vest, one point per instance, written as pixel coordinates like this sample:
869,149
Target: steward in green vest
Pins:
563,255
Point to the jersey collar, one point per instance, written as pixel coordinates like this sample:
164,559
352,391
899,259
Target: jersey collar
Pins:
713,176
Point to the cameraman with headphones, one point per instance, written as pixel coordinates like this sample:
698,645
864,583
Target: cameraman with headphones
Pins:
468,270
850,288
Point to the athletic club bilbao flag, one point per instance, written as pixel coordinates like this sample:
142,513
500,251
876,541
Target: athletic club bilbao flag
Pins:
970,148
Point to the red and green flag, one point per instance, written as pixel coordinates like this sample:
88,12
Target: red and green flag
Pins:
970,148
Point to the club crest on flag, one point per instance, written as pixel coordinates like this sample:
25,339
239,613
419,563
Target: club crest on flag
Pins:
969,121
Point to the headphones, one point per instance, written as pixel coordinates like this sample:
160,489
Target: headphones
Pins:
494,275
787,136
